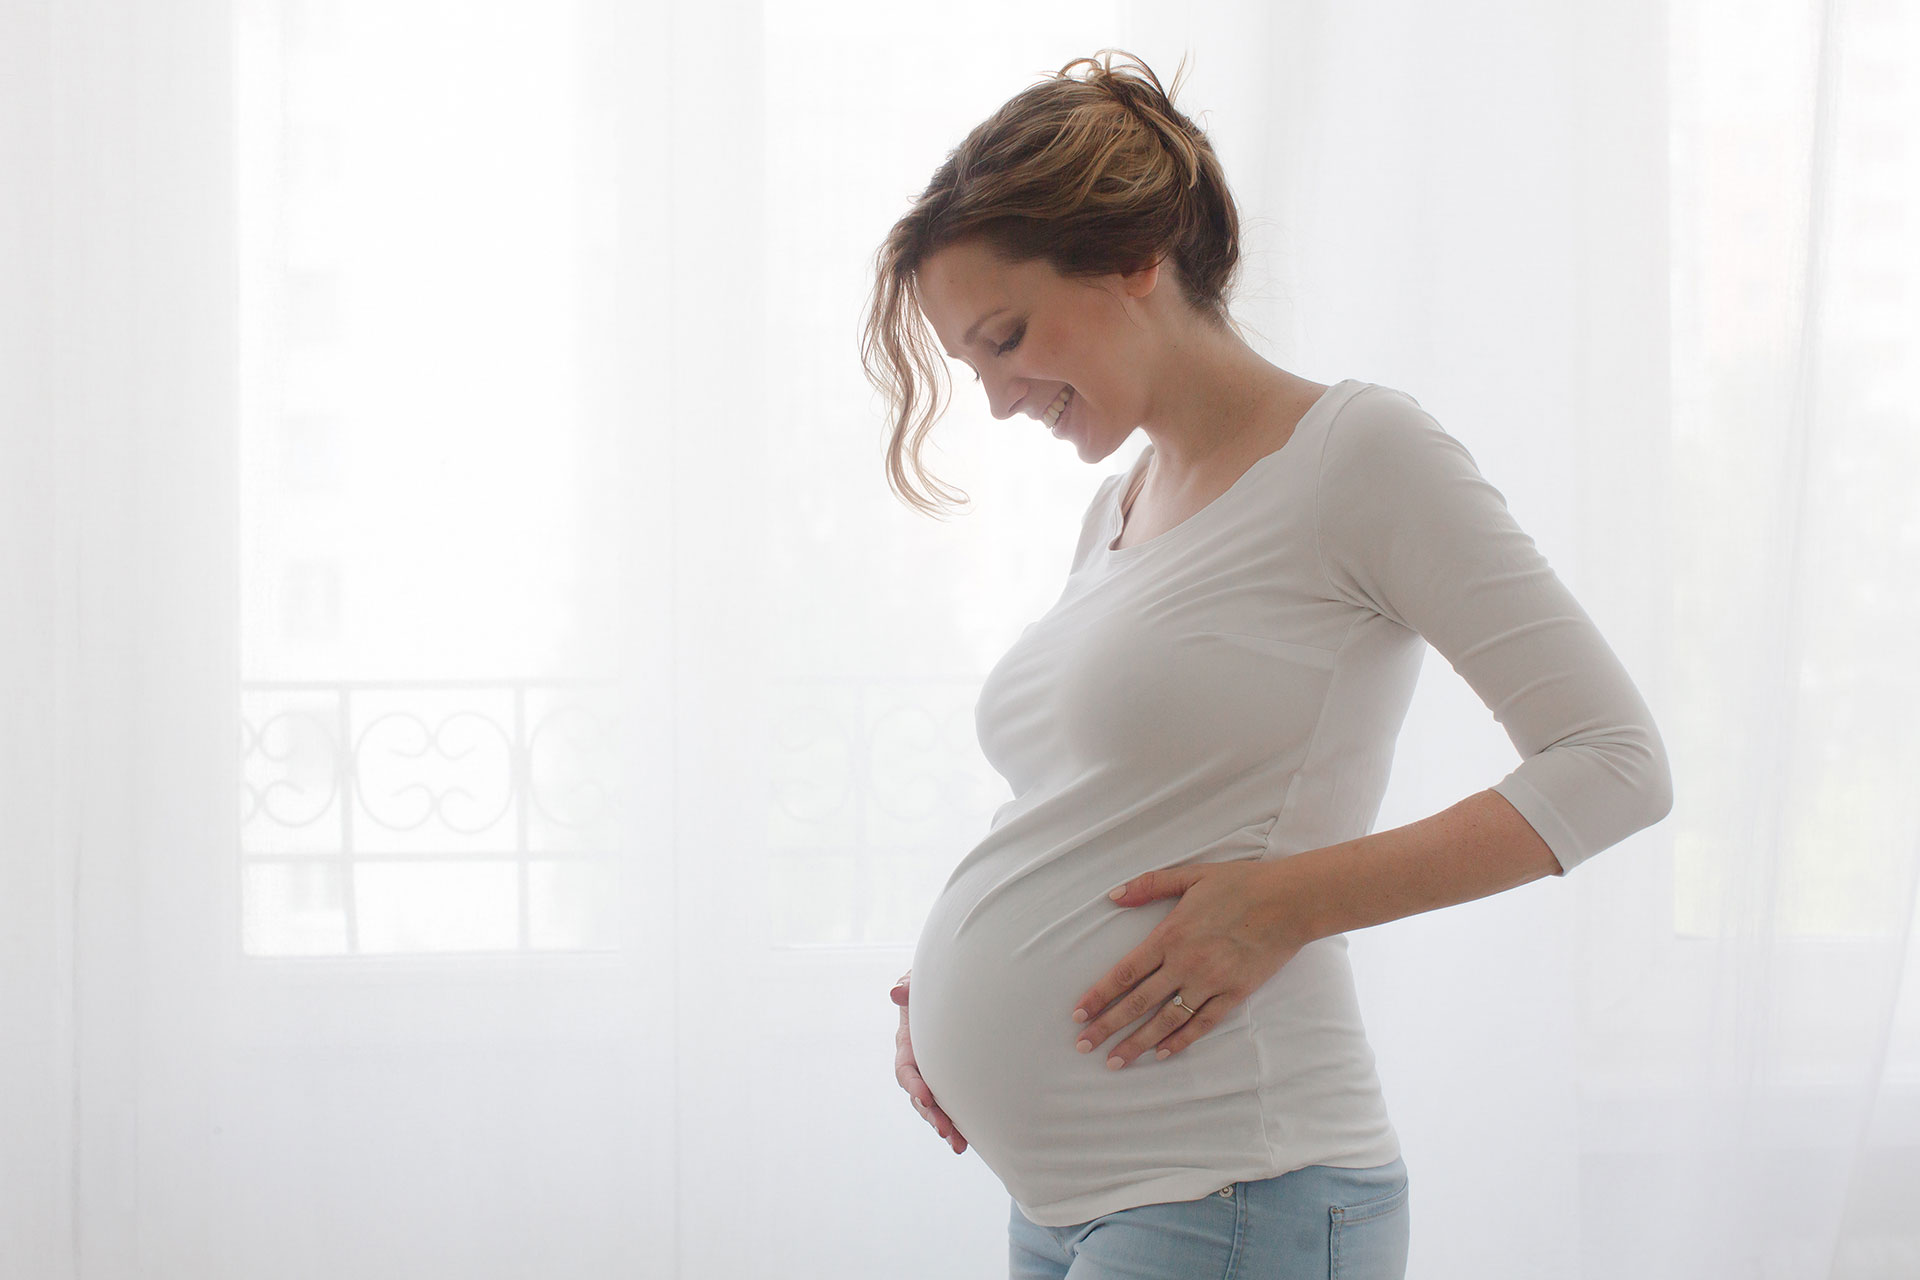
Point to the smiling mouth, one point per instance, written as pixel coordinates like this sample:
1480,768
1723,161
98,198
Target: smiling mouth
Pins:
1058,408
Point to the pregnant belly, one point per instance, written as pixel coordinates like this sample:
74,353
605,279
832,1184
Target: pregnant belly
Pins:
991,1012
995,983
1006,953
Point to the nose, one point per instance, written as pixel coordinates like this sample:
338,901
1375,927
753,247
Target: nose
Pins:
1001,403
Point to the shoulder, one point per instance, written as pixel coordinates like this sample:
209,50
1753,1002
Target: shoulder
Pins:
1382,436
1377,410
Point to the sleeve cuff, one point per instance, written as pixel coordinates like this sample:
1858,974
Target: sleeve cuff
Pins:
1547,821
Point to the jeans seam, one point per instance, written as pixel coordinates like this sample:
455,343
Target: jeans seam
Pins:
1239,1231
1343,1215
1367,1210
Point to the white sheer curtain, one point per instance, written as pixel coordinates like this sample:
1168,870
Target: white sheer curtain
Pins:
479,737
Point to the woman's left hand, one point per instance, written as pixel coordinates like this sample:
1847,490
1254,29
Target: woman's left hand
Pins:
1230,932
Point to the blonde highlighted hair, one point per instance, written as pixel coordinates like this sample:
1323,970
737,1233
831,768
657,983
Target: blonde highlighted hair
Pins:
1095,174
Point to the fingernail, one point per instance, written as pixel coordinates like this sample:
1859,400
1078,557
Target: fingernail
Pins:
1084,1045
1163,1053
1115,1063
1079,1015
1117,894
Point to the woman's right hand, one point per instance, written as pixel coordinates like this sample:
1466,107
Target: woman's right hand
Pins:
907,1072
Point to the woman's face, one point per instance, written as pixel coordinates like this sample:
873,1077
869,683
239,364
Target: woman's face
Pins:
1033,336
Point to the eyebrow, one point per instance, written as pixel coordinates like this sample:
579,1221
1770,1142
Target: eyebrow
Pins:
968,340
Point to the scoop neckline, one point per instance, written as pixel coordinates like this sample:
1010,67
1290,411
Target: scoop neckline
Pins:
1116,521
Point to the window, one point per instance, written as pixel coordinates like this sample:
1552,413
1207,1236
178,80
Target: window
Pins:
409,455
1797,509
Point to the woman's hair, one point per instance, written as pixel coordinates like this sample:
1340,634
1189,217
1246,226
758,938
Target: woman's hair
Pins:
1096,176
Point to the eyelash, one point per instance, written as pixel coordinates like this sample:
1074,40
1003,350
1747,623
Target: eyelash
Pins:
1011,343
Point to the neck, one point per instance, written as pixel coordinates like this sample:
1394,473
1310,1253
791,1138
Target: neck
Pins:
1207,405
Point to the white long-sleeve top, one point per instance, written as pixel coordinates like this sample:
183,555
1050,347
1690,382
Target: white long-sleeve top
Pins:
1231,690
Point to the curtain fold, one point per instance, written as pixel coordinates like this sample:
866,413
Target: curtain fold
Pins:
480,738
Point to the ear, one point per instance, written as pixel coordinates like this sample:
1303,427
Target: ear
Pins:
1140,283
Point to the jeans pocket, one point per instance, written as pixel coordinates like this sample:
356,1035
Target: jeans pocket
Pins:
1369,1240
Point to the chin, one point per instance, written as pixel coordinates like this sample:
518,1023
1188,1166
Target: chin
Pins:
1091,448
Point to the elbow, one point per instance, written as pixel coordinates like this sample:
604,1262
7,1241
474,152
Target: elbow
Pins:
1658,791
1642,786
1660,794
1639,779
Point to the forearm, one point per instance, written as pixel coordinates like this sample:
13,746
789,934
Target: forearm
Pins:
1474,849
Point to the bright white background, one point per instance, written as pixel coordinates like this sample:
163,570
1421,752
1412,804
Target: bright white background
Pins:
478,738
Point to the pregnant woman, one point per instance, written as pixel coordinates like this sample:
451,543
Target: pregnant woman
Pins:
1175,1081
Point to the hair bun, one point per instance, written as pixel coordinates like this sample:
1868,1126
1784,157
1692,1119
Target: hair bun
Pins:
1138,91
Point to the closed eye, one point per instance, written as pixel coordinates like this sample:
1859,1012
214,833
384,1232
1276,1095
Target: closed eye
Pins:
1006,346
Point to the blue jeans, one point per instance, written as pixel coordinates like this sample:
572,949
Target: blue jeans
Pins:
1316,1223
